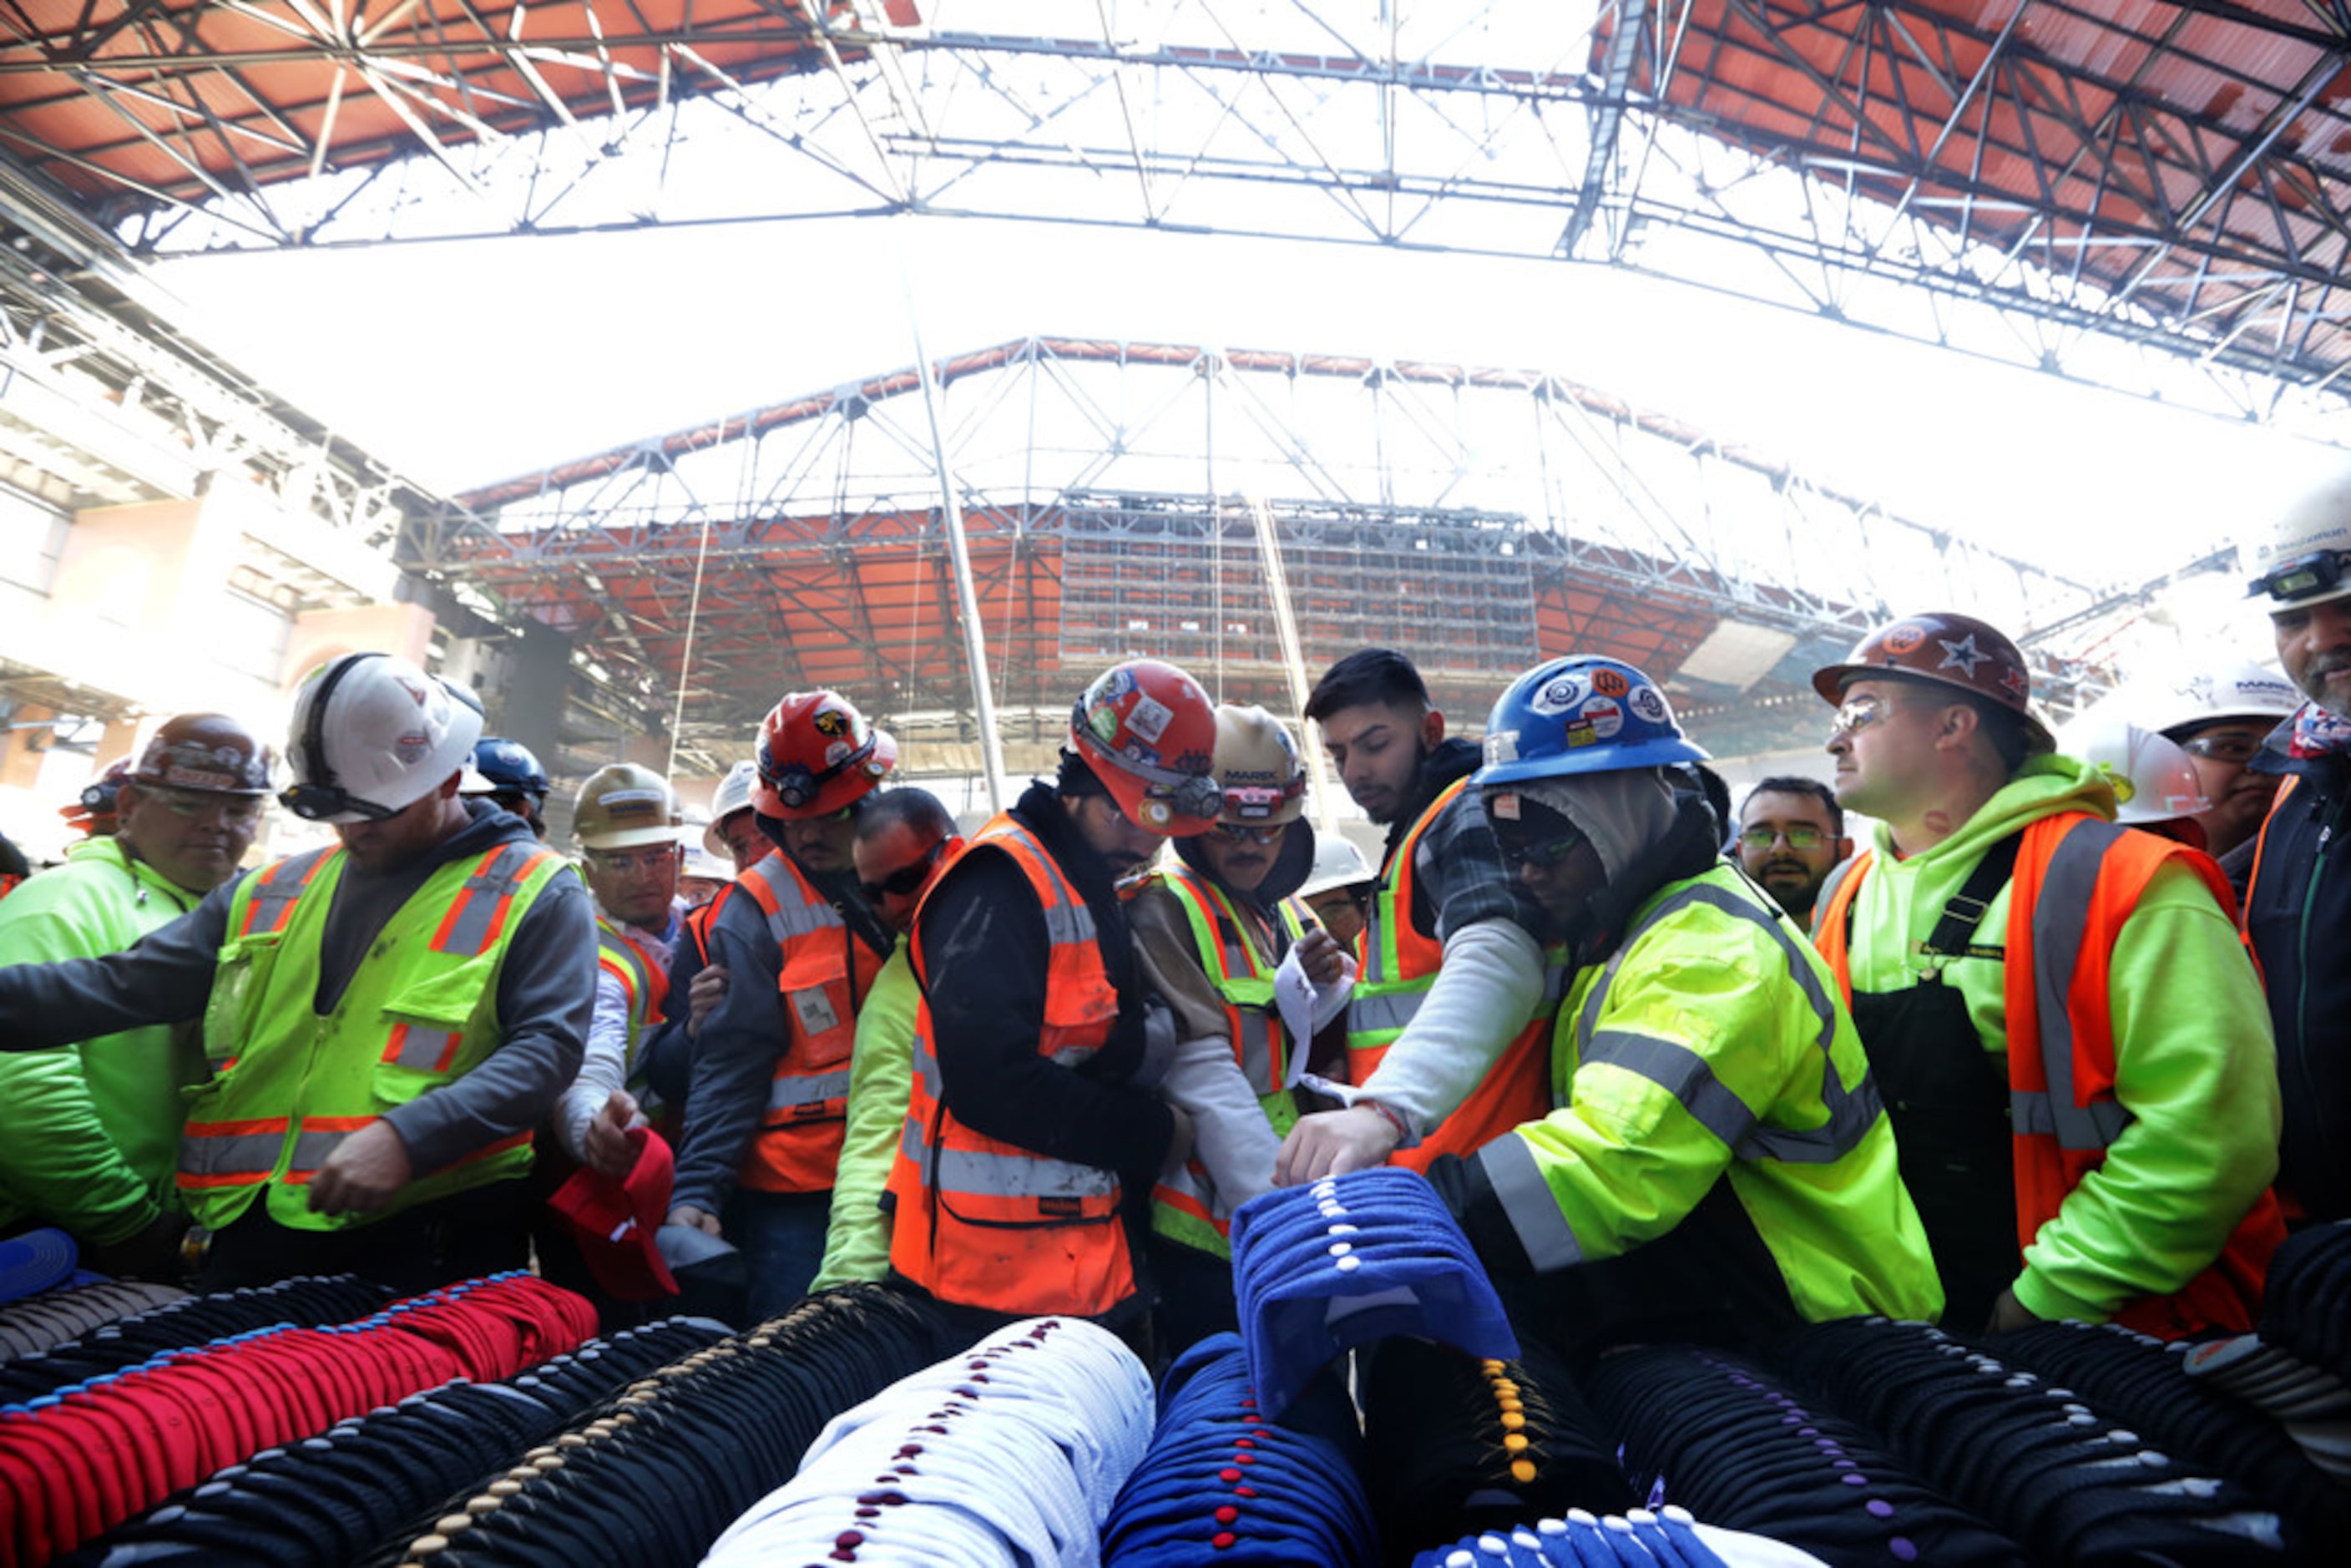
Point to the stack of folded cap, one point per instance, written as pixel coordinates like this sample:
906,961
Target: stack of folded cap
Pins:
1669,1538
2294,1370
187,1322
1349,1261
37,1261
680,1454
2171,1392
39,1324
2054,1475
1222,1484
1723,1439
1458,1444
1010,1452
363,1485
76,1463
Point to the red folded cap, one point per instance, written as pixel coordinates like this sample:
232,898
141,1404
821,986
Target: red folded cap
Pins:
616,1221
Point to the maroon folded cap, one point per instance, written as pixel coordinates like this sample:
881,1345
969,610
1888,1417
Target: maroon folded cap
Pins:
616,1221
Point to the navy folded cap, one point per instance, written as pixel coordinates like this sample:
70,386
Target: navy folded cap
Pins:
34,1261
1349,1261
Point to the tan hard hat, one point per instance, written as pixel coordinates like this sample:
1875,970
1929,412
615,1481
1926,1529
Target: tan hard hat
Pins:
623,806
1258,768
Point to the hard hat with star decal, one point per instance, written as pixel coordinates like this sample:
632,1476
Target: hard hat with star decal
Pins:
1954,650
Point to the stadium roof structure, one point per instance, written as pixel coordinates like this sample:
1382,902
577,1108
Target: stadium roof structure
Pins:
1130,498
2148,194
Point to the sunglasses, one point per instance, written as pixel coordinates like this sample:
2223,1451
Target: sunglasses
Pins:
1246,833
1547,853
907,880
1802,836
2222,747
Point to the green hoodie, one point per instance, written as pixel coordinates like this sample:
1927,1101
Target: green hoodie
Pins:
93,1128
2194,1061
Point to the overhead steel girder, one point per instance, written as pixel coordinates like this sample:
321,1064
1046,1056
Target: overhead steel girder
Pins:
2063,183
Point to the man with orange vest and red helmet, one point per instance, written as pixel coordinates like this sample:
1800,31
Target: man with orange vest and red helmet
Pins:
1028,1153
1449,1034
2071,1043
767,1094
386,1020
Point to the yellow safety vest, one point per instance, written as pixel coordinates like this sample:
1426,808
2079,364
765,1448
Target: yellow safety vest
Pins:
289,1083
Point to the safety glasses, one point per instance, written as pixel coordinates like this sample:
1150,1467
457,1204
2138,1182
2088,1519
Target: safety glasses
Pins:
626,863
1800,836
1550,853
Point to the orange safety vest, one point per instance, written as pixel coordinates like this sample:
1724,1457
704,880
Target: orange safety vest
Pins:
826,973
984,1223
2078,878
643,982
1396,967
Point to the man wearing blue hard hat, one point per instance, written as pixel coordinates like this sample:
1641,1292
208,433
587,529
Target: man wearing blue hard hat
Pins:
1716,1162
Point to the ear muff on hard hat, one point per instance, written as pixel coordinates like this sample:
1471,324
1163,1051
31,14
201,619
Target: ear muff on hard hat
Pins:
374,735
1146,730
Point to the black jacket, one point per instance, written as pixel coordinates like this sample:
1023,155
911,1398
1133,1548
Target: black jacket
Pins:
2300,920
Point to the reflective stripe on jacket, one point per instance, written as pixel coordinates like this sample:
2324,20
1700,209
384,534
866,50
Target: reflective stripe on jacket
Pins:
1183,1204
984,1223
645,983
2078,879
1709,1045
290,1084
825,973
1399,966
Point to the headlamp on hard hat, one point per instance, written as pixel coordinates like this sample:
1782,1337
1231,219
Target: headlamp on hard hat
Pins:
2321,572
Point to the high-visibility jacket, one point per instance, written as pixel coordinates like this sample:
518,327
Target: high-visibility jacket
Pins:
1709,1048
1397,968
1183,1203
825,975
644,982
290,1083
2078,879
984,1223
2296,919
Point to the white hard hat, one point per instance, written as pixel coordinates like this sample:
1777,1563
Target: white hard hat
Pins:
1337,863
374,735
733,795
2306,558
2153,779
699,862
2209,695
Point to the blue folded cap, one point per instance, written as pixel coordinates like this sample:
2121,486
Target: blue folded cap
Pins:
1349,1261
36,1262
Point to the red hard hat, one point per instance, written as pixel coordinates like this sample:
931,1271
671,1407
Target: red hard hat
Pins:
207,752
817,754
1149,733
1952,650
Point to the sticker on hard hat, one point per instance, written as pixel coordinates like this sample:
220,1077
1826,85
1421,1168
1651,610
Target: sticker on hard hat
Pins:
1610,684
830,721
1904,638
195,767
411,748
1104,723
1648,706
1598,719
1962,655
1148,718
838,752
1558,697
1503,806
635,803
1501,746
2124,789
1156,814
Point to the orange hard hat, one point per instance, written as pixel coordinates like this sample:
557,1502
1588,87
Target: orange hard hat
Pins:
1149,733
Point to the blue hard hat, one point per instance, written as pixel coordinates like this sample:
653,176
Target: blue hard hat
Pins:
509,765
1581,715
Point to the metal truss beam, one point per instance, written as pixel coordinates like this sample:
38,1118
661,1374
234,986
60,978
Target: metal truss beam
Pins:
2154,201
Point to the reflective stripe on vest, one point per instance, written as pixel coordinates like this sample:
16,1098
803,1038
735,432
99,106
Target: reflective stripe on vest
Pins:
478,915
823,972
1684,1074
982,1174
275,887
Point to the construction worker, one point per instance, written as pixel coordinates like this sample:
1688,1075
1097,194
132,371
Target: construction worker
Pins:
2071,1044
2220,716
701,875
1212,930
93,811
1791,836
1716,1163
2297,898
1027,1151
906,838
94,1129
696,983
386,1020
1338,890
1449,1025
14,867
507,774
769,1092
626,821
2156,783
